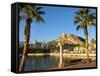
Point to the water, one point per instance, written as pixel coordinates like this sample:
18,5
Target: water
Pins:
41,62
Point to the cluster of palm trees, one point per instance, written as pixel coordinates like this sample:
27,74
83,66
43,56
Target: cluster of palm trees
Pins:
84,18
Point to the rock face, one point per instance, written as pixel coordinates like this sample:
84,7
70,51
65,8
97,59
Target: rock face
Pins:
71,39
68,38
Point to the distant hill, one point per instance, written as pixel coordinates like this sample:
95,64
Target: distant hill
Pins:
69,39
52,43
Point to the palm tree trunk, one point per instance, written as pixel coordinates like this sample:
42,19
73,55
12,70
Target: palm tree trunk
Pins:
26,45
86,44
23,60
87,48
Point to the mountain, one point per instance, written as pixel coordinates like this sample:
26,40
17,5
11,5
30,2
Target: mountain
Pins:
68,39
71,38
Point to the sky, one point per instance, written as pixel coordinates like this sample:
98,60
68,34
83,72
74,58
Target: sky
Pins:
57,20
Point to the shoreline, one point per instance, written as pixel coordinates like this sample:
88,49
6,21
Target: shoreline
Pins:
92,56
81,56
57,54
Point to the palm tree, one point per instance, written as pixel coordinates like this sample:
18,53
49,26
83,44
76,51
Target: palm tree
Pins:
84,18
30,13
93,42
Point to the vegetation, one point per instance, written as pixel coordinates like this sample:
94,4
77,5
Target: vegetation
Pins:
36,50
93,43
30,13
84,18
53,43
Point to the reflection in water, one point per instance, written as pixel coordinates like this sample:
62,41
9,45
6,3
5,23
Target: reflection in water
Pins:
37,62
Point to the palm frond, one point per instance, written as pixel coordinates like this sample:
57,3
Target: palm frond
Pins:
91,23
78,27
85,10
41,12
92,15
77,19
39,18
38,8
20,17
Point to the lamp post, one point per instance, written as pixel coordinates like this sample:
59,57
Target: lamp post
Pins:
61,64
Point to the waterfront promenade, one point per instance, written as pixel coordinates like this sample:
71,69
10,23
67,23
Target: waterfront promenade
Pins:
76,66
79,65
93,56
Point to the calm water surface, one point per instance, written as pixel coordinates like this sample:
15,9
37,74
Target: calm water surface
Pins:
39,62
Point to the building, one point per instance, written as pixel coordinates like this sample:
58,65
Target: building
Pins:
40,44
69,42
71,39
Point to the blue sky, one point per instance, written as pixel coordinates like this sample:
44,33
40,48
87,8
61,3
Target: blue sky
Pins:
57,20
